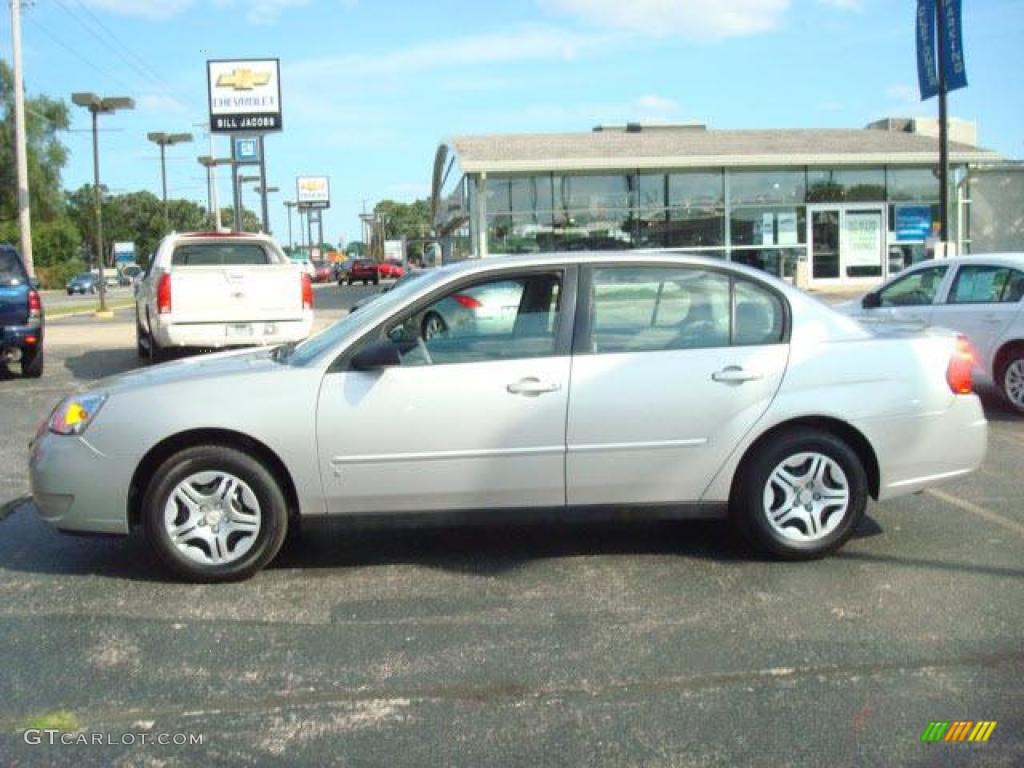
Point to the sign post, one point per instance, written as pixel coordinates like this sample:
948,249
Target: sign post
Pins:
939,77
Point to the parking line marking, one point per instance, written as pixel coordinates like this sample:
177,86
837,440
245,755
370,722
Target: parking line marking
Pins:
974,509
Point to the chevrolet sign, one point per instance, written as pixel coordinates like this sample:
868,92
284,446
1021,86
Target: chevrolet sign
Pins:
245,95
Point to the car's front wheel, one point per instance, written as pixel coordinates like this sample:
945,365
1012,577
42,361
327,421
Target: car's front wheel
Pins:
214,513
1011,379
800,495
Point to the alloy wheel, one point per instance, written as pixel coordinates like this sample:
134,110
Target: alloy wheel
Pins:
1013,382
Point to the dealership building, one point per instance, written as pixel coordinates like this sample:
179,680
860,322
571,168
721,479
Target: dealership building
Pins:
827,206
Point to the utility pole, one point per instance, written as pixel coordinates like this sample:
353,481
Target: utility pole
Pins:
20,142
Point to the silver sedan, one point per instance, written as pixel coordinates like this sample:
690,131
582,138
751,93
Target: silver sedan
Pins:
606,382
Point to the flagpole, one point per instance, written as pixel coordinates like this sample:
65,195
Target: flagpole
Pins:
940,7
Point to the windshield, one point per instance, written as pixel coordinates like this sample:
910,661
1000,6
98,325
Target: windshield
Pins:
333,334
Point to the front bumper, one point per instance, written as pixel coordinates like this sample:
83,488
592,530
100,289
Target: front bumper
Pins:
77,488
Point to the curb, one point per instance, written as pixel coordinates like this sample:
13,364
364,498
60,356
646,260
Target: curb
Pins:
58,315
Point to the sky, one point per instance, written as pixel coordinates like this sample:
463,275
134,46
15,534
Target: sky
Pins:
371,87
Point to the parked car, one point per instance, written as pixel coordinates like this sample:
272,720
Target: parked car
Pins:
365,270
86,282
412,274
21,315
981,296
697,387
322,272
209,289
391,268
128,274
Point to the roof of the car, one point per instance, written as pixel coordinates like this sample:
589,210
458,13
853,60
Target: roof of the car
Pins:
1007,259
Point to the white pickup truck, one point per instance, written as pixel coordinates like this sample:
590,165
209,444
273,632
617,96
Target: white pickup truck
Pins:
210,289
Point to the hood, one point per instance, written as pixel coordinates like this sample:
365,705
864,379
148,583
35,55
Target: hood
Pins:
218,365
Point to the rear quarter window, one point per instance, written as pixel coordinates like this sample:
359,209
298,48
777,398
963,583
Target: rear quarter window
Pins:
219,255
11,270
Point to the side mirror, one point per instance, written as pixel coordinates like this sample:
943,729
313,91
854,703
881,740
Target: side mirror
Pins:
380,354
871,301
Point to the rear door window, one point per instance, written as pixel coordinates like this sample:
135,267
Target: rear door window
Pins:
219,255
981,284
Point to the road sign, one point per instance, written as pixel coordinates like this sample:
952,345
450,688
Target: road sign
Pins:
245,149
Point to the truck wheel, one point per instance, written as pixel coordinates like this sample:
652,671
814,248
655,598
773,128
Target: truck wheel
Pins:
32,362
214,514
800,496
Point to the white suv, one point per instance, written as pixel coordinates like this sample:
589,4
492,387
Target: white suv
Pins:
982,296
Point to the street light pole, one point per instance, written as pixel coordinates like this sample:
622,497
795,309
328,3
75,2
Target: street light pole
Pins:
289,204
97,105
242,179
265,192
166,140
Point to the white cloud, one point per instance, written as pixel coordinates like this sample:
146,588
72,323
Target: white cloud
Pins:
152,102
692,19
153,10
903,95
844,5
528,43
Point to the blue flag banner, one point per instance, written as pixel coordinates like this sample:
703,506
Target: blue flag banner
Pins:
954,71
927,74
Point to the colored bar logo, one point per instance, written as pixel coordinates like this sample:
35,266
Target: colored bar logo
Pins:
958,730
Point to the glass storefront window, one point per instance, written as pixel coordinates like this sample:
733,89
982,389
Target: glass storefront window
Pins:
912,184
593,192
650,191
516,194
689,189
845,185
594,231
519,233
696,227
766,187
780,262
769,226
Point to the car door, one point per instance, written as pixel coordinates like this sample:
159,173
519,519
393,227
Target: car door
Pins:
911,296
672,366
472,418
982,301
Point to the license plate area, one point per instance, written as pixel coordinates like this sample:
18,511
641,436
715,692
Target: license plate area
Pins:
239,330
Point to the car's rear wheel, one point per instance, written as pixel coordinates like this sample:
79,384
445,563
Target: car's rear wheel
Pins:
214,513
800,495
32,362
1011,379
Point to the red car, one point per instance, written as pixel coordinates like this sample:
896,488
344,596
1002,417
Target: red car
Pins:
391,268
365,270
323,272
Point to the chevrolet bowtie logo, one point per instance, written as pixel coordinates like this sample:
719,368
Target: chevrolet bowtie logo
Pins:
243,79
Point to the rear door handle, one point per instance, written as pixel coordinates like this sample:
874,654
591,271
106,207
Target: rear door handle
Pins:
532,386
734,374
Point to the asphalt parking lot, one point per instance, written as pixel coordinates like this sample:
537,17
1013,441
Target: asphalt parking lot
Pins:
661,644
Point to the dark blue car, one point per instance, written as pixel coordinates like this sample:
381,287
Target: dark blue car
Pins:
21,315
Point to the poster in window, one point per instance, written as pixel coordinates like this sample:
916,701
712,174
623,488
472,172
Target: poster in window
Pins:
786,225
768,229
862,236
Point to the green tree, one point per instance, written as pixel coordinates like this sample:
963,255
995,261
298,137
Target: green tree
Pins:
356,249
44,118
250,221
408,220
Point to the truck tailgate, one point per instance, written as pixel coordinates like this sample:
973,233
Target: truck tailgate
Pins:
218,294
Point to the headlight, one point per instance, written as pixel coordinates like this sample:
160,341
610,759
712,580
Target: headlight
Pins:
76,413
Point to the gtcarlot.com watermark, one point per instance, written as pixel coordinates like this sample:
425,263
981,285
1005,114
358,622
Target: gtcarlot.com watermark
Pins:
54,736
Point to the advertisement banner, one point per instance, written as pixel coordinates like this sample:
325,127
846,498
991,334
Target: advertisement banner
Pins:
927,74
786,226
313,192
913,222
862,236
954,71
244,95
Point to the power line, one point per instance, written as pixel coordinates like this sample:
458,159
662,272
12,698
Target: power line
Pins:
73,52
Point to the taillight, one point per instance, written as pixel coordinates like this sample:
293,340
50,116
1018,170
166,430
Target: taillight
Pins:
467,301
35,305
163,294
961,364
307,291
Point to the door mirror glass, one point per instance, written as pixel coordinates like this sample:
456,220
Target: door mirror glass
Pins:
871,301
381,354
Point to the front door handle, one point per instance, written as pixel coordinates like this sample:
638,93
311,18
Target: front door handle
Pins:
532,386
734,374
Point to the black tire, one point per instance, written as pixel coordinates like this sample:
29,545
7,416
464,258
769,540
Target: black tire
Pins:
32,362
747,506
435,320
273,511
141,349
1013,359
70,292
350,281
376,281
